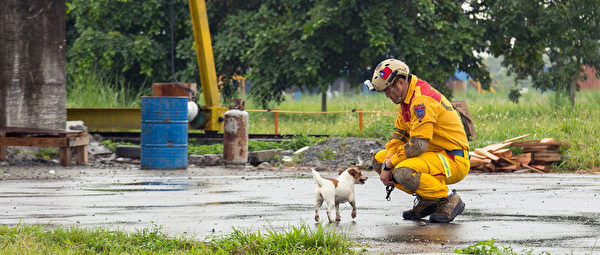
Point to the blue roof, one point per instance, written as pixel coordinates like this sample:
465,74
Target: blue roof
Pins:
462,76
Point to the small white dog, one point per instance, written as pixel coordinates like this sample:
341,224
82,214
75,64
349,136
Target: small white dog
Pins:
337,191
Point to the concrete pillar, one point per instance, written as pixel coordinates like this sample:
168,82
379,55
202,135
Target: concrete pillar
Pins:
32,63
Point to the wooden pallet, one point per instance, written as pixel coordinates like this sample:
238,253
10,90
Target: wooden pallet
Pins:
37,137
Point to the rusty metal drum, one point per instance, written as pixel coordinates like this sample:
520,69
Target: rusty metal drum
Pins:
235,137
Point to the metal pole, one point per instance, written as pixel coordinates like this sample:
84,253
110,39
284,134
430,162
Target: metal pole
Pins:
360,119
276,121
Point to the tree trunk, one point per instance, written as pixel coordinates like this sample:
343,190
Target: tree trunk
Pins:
324,101
573,85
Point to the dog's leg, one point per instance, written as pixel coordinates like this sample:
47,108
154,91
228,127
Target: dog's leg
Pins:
337,212
330,207
353,204
318,203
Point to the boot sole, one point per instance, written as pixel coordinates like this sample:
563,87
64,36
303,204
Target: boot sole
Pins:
460,207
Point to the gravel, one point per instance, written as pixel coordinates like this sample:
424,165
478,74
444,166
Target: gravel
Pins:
331,154
339,153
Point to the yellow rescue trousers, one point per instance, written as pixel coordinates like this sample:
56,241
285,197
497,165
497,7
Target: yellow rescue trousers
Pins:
437,169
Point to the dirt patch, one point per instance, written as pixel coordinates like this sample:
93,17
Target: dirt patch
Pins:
338,153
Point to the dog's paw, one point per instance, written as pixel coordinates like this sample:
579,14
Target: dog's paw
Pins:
353,214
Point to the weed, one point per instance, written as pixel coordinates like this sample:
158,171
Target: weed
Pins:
327,154
112,145
489,248
46,153
39,239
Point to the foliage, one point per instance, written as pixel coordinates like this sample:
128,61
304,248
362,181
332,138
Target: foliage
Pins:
97,90
294,144
305,43
524,32
277,44
380,128
489,248
495,119
46,153
129,40
194,149
112,145
327,154
38,239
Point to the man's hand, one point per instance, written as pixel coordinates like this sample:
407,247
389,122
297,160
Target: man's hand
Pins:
386,176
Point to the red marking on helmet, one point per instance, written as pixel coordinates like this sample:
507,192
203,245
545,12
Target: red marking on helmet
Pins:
385,73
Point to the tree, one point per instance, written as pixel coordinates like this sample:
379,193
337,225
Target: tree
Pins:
128,39
277,44
307,43
523,31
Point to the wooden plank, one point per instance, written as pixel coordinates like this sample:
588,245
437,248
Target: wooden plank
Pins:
537,143
12,131
475,162
515,138
473,154
79,140
511,167
547,140
534,169
3,155
65,156
82,154
34,141
495,147
544,168
547,156
513,162
524,158
486,154
507,153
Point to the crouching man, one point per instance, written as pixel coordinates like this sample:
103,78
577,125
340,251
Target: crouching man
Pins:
429,148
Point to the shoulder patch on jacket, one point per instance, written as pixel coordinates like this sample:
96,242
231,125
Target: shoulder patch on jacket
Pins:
419,110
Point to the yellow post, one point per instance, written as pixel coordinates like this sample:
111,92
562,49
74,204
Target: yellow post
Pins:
206,64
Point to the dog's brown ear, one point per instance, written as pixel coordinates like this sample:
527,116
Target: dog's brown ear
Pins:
352,172
341,171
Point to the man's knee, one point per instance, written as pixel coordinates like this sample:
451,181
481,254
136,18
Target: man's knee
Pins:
408,178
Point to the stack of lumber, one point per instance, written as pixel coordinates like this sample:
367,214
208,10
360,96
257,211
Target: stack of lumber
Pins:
536,156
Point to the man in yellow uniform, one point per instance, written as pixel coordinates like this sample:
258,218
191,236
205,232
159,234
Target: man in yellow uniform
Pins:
429,148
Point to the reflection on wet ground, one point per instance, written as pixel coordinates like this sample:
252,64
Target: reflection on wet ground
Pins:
554,213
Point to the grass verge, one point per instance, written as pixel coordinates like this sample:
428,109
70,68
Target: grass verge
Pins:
38,239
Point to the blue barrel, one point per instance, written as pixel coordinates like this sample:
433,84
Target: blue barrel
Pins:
164,133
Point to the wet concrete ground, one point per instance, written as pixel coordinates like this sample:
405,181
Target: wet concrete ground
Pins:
556,213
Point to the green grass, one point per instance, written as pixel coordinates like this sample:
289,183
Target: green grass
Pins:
495,117
38,239
102,91
489,248
256,145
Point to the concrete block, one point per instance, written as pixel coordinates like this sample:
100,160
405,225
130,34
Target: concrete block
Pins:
257,157
129,151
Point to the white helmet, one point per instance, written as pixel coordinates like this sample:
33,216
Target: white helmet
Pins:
386,73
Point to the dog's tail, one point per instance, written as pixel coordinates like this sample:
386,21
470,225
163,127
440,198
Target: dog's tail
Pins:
318,179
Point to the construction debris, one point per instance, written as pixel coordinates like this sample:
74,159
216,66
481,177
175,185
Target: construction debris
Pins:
537,156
